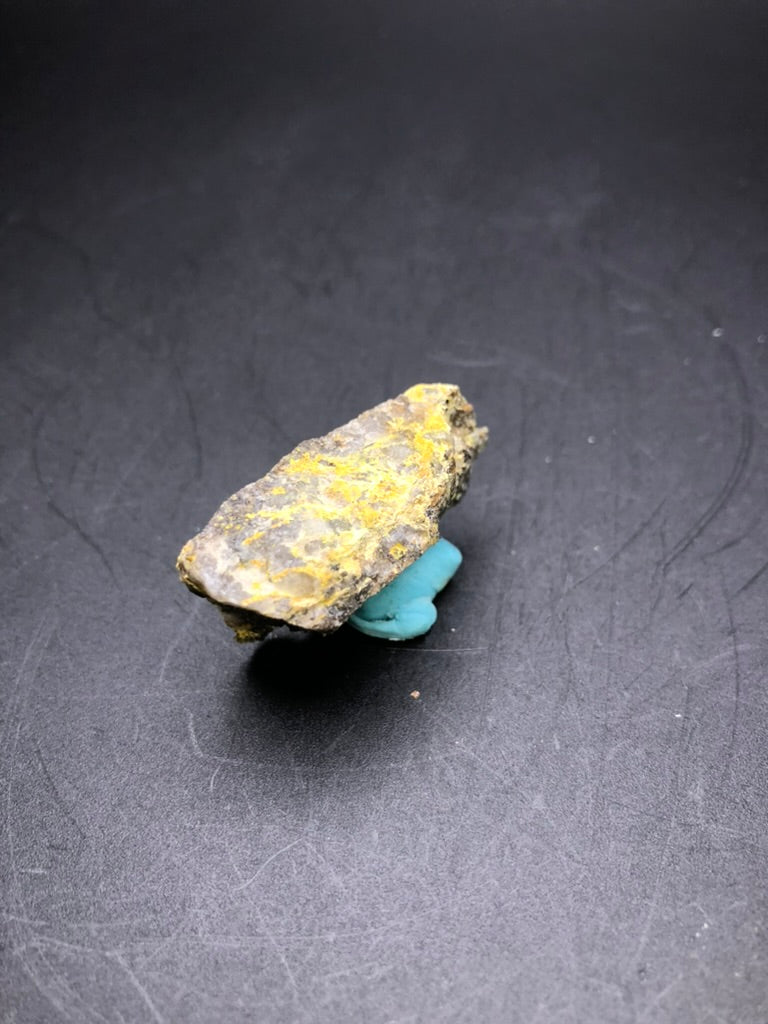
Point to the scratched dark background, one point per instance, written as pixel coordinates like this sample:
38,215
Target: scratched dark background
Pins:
225,229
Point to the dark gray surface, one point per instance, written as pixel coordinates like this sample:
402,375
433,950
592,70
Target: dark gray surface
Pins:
224,234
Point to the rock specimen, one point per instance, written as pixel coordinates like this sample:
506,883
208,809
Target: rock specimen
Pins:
337,518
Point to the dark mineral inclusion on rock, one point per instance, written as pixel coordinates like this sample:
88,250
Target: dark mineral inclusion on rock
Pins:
337,518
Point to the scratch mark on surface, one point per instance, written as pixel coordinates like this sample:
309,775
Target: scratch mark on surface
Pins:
371,970
638,532
31,922
129,467
84,536
727,546
175,640
134,979
332,873
71,947
437,650
278,853
704,914
669,297
734,635
564,846
683,741
64,999
573,688
281,955
193,735
66,810
706,663
71,521
42,231
752,579
192,415
659,997
466,362
743,453
216,771
338,738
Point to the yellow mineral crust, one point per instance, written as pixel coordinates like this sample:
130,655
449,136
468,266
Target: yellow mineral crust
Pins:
338,517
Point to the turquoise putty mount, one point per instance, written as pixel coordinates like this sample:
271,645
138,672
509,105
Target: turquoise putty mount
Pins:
404,608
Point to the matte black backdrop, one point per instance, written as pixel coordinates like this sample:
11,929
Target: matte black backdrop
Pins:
227,228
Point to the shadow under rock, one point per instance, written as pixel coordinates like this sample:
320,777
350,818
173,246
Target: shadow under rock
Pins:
325,701
298,670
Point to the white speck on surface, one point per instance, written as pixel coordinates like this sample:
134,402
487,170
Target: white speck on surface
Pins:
717,332
453,629
547,459
596,547
591,439
761,339
678,715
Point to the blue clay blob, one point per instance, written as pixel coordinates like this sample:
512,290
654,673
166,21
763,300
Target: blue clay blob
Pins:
404,609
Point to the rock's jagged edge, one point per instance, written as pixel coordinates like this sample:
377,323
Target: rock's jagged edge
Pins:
337,518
